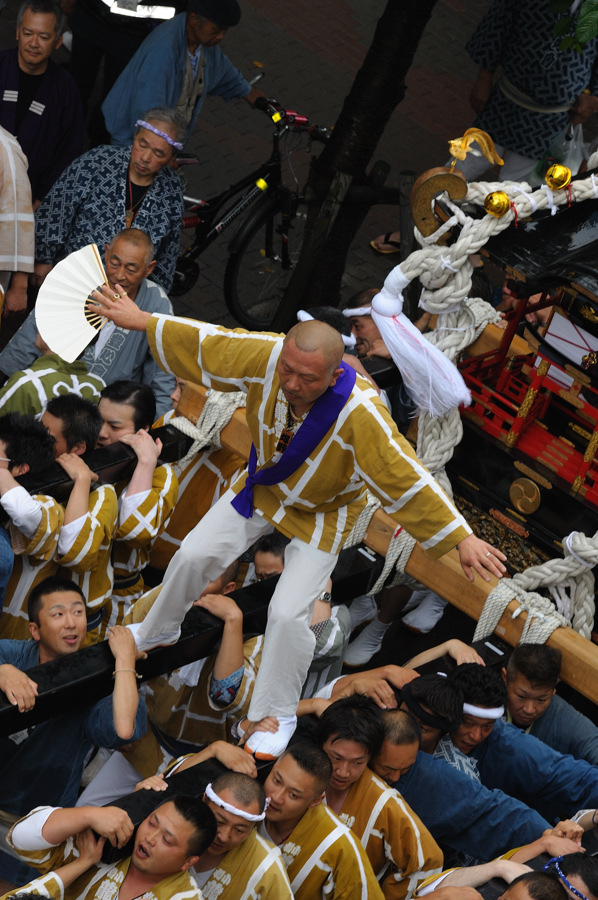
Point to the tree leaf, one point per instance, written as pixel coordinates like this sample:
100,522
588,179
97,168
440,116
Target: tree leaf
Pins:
567,43
562,26
559,6
587,24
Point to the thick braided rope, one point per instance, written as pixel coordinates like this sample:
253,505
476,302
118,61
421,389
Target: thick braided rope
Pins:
399,547
399,551
572,571
445,275
542,617
436,440
357,533
445,272
459,329
216,414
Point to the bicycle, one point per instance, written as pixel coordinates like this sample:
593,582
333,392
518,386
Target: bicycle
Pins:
264,250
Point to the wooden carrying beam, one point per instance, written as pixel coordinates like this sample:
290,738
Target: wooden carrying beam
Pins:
445,576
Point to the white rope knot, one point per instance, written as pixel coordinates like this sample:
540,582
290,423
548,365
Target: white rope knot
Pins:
568,543
542,617
446,264
387,306
216,414
549,199
528,196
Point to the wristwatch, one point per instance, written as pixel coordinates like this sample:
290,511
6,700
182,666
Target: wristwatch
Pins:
325,597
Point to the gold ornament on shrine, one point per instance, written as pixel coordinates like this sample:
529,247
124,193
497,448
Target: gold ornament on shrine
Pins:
497,204
557,177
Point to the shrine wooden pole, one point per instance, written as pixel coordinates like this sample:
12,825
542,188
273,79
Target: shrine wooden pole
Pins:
445,576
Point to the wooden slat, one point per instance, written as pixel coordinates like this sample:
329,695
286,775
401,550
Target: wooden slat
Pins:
580,656
234,436
491,338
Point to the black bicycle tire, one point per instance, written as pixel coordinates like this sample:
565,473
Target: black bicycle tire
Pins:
248,270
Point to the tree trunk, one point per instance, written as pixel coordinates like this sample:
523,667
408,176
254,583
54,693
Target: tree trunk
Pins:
378,87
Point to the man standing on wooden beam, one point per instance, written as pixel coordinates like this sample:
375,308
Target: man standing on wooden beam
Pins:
320,438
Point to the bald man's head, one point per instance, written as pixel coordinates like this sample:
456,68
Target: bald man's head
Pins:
313,336
309,363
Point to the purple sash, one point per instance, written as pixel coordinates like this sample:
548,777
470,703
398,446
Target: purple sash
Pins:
318,422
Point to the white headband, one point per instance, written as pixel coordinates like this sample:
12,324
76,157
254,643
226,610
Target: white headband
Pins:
304,316
482,712
358,311
213,796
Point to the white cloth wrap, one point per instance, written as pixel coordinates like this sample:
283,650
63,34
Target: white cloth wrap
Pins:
348,339
432,380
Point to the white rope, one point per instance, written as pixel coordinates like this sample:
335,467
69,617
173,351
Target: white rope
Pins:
399,550
542,617
445,275
357,533
216,414
569,580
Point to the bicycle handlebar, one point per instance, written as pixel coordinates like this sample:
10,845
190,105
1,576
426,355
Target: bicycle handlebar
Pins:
290,118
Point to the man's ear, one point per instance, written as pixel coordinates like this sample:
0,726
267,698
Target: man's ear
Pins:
34,631
21,469
317,800
79,448
228,588
58,42
335,376
150,268
503,672
189,862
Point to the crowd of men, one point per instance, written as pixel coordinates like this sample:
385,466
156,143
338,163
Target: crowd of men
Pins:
263,770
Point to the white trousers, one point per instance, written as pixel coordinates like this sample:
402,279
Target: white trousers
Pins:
116,778
222,536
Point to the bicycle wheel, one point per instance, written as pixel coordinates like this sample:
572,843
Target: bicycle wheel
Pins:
260,266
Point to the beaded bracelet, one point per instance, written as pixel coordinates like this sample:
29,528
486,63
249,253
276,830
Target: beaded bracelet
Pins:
116,671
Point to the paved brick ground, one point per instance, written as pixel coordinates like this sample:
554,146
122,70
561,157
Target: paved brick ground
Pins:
310,51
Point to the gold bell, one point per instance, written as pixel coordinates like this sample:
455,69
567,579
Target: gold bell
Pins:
557,177
497,204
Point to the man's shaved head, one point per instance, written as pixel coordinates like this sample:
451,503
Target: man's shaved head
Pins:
314,336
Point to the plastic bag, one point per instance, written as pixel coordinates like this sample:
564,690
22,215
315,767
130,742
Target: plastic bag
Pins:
574,148
567,149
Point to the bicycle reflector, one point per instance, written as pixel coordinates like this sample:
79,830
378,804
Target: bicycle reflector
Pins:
263,185
277,117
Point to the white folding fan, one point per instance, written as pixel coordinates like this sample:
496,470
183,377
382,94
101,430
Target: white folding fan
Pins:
63,318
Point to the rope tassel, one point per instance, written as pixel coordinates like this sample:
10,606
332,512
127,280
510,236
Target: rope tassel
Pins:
433,381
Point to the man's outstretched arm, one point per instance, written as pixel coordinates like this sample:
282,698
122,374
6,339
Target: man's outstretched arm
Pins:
51,826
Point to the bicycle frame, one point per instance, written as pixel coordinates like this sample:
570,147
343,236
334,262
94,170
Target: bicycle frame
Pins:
213,216
202,216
